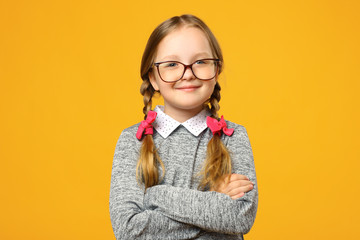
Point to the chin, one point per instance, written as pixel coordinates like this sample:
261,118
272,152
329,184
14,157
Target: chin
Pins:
190,106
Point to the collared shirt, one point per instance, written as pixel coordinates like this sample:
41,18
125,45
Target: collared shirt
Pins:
175,208
165,125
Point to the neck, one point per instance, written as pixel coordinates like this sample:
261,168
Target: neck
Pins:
181,115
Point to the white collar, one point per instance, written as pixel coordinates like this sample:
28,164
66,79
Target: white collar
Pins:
165,125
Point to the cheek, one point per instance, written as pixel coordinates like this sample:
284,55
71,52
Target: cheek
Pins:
211,87
164,88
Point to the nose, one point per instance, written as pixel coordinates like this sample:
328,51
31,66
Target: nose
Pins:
188,74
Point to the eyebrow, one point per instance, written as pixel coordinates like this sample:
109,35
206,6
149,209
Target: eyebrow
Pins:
194,57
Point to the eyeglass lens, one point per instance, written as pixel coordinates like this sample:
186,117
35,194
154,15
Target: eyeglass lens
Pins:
173,71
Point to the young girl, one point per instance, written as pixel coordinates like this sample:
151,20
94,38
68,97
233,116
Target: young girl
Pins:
183,173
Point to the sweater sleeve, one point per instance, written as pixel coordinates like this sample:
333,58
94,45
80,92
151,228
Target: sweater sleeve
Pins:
129,217
212,211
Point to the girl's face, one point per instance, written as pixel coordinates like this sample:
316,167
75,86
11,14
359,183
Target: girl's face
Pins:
186,45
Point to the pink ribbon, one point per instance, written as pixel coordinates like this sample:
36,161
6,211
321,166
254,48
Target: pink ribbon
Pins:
217,127
145,126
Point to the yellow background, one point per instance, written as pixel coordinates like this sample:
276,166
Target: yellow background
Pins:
69,73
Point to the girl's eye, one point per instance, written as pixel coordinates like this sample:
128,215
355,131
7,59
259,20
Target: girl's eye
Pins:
171,64
200,62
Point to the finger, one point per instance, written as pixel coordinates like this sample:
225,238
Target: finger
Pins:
235,177
238,183
244,189
238,196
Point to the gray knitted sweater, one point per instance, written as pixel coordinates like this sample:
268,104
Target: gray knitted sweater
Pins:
175,209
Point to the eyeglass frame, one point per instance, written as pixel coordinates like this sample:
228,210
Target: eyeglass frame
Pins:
188,66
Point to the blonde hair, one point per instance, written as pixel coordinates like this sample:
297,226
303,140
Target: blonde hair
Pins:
218,162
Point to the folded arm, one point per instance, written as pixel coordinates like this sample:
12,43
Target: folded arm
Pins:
212,211
168,212
129,217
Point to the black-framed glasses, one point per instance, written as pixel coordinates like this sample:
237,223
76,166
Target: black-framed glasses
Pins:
203,69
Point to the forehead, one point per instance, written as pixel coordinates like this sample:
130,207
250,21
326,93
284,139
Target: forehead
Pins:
184,43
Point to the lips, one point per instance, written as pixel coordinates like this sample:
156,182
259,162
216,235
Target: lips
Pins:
188,88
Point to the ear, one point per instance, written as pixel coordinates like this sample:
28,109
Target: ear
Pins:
153,81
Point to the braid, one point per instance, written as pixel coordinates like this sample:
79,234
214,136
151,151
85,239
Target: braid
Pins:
147,168
214,100
218,162
147,91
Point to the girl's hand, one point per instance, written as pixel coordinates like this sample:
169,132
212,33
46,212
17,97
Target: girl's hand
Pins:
236,187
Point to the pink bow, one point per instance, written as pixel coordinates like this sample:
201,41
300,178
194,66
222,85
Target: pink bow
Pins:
217,126
145,126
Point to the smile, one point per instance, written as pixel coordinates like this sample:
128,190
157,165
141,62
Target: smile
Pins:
188,88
